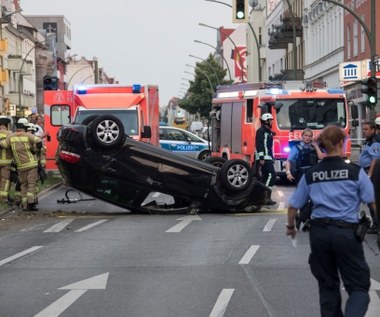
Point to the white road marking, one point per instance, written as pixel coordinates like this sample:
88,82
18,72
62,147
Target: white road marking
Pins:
91,225
59,226
374,303
184,222
269,225
281,205
222,302
249,254
20,254
280,193
76,290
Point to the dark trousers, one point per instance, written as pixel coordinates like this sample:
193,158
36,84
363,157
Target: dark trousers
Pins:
335,251
268,173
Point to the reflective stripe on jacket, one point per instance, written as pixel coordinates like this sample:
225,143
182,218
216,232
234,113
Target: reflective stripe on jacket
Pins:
24,146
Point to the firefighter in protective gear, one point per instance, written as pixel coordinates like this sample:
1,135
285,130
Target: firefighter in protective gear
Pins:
5,161
24,147
264,152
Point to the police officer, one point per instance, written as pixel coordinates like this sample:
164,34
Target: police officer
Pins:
370,152
336,189
5,161
302,156
264,152
376,184
24,145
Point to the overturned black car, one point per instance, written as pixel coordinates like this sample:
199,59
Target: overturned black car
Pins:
96,157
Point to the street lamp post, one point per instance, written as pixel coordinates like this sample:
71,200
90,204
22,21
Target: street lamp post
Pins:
254,36
217,50
233,43
22,65
208,63
76,72
204,73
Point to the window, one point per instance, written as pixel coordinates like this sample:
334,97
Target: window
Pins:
355,38
59,114
362,37
348,43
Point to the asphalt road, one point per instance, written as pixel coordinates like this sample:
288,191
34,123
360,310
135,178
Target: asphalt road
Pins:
93,259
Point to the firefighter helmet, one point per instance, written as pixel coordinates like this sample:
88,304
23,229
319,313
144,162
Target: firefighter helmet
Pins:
266,116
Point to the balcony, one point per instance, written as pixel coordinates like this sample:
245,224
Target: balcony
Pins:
282,34
15,62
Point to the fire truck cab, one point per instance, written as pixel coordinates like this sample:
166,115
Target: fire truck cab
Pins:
236,112
136,106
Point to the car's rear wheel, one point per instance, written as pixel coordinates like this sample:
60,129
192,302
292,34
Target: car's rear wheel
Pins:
204,155
107,131
216,161
236,175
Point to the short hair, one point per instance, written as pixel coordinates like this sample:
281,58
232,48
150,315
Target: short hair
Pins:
307,130
371,124
330,137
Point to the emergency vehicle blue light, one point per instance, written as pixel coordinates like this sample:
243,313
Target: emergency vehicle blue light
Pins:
276,91
81,90
335,91
136,88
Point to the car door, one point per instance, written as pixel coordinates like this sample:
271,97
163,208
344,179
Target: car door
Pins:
181,142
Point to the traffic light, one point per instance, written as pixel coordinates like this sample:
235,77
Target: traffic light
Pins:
50,82
370,90
239,11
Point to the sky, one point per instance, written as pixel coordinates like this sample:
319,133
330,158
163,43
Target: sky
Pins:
140,41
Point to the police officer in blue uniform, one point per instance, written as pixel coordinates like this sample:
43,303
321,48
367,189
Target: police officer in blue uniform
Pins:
336,189
370,152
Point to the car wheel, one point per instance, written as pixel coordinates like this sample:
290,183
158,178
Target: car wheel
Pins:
107,131
216,161
236,175
204,155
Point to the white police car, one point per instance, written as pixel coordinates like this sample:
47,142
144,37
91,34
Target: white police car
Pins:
184,142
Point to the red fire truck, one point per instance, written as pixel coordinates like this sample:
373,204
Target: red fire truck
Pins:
236,112
136,106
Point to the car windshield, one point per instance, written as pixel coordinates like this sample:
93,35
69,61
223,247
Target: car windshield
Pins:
311,113
129,118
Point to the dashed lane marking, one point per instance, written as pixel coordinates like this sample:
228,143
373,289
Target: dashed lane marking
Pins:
249,254
222,302
91,225
269,225
59,226
19,255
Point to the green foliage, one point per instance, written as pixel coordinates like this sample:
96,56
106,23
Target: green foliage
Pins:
208,75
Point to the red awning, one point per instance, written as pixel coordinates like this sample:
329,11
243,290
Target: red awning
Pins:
109,100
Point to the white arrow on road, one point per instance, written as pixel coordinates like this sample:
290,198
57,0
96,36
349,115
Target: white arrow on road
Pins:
184,222
374,304
76,290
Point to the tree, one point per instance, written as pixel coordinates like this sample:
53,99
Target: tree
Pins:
208,75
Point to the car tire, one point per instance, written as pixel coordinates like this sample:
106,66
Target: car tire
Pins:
107,131
216,161
89,119
236,175
204,155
